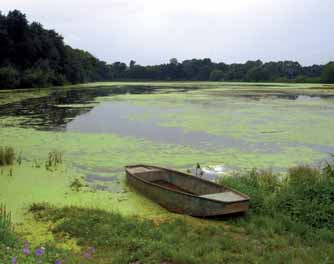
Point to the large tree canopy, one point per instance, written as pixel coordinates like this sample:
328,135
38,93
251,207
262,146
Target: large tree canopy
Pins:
31,56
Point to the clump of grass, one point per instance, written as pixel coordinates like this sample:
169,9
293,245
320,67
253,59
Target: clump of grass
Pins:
76,185
37,163
55,158
7,156
303,174
7,235
260,185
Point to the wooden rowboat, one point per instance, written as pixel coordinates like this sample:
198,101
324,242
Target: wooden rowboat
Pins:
184,193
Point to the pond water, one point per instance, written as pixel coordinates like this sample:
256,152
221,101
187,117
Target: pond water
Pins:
222,127
258,122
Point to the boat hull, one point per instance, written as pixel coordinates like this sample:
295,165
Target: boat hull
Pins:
185,203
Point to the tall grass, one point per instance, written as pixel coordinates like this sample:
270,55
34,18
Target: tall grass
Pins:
7,236
7,156
304,196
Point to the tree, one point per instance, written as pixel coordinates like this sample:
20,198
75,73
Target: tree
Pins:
327,75
173,61
35,77
216,75
132,64
256,74
8,78
40,58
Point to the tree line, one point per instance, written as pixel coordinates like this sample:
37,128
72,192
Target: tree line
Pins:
206,70
31,56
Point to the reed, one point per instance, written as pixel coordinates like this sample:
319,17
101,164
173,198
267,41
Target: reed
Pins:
6,227
55,158
7,156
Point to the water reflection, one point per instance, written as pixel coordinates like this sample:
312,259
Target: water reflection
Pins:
55,111
45,114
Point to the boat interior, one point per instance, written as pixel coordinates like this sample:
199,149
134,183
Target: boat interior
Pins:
185,183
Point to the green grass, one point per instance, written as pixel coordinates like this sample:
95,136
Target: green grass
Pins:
120,239
7,235
12,245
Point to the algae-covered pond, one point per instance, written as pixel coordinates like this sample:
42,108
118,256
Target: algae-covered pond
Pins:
103,127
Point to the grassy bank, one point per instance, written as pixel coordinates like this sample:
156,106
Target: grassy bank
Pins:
291,220
119,239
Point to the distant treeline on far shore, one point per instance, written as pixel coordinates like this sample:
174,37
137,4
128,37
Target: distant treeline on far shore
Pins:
31,56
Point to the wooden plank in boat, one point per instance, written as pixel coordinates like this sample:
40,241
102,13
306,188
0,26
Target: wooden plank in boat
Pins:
171,186
136,170
224,196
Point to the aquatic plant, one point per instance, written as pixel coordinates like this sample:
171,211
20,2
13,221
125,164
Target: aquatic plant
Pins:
76,185
55,158
7,156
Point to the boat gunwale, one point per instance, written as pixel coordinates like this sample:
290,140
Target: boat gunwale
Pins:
246,197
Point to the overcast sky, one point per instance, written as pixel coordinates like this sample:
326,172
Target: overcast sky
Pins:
153,31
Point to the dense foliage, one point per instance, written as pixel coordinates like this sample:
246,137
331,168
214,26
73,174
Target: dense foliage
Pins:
206,70
31,56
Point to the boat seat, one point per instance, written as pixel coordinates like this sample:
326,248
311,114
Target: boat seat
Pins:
136,170
227,196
